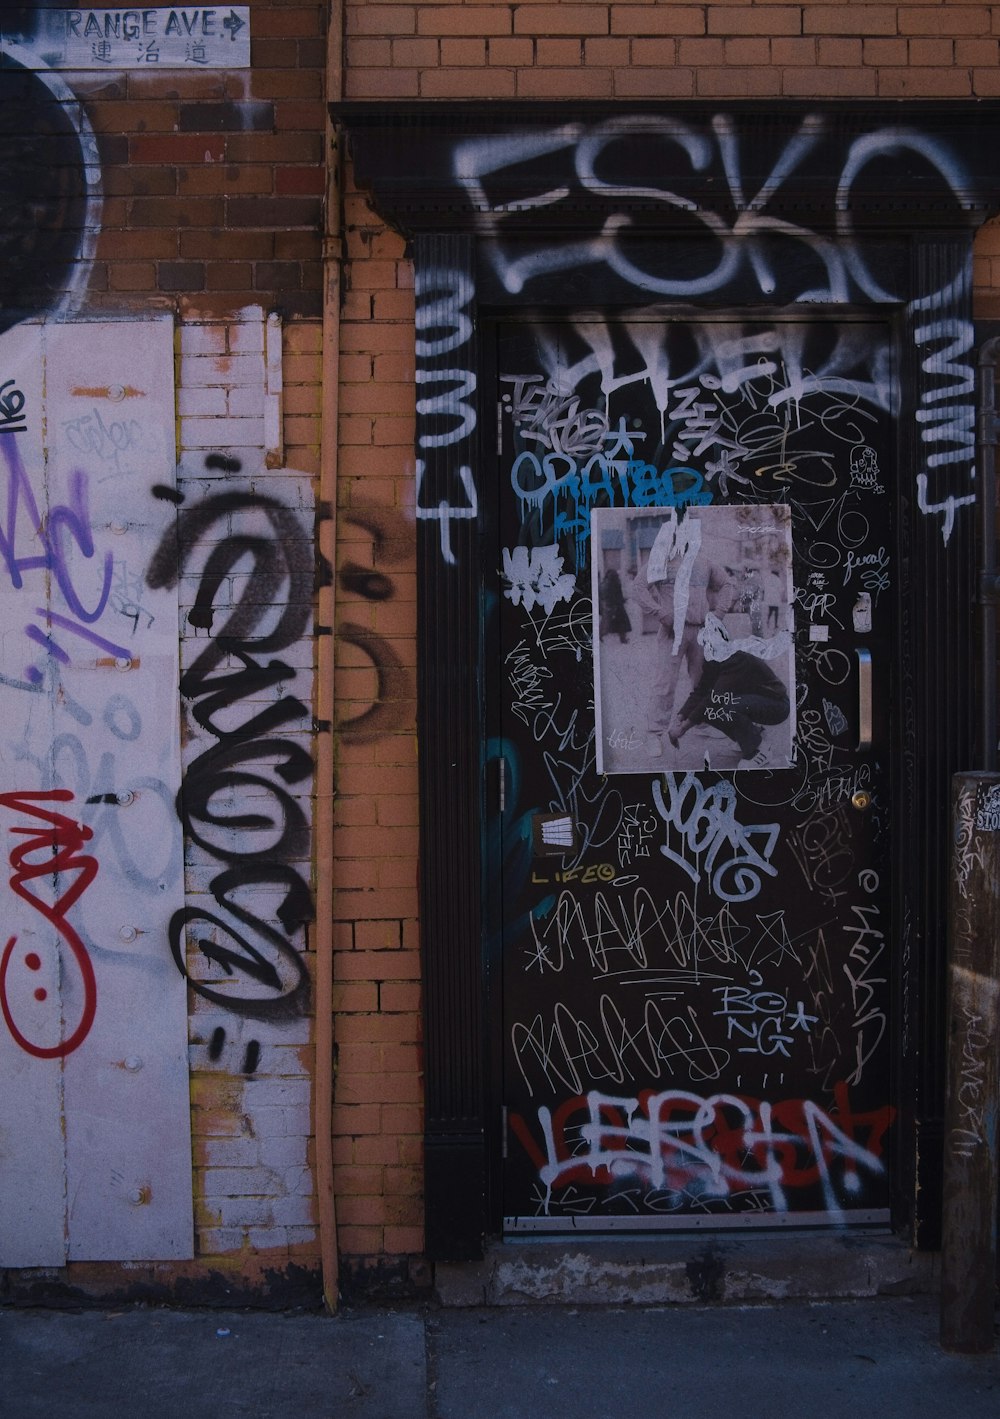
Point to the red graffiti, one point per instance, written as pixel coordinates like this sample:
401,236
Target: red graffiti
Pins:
60,840
676,1141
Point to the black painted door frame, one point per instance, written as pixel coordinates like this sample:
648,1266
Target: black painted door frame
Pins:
510,209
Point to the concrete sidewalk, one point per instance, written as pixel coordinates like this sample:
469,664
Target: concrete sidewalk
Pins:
817,1360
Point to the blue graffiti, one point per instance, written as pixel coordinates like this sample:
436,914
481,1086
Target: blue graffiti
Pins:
557,482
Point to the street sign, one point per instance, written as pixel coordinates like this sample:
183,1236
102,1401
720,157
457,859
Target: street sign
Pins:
157,37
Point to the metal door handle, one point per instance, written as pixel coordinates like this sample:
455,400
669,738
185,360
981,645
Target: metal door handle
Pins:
864,699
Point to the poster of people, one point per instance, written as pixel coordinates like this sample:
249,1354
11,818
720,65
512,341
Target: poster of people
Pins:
693,649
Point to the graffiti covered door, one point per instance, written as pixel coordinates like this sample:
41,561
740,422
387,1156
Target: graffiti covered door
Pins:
694,633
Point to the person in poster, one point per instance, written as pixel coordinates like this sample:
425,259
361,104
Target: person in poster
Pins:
737,692
614,613
679,587
707,678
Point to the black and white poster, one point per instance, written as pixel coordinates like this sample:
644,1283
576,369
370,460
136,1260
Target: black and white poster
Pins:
693,654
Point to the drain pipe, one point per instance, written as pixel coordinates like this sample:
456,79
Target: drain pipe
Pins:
326,538
972,1098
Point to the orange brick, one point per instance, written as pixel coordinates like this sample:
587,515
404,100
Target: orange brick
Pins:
394,305
612,52
381,19
850,19
635,20
465,52
402,1119
132,276
951,19
356,1119
516,53
304,431
298,20
343,1151
836,51
793,51
127,117
939,52
416,53
478,20
987,306
403,1241
398,996
368,53
299,114
654,51
357,901
885,51
357,1181
379,1088
556,53
411,1150
361,1210
758,19
565,83
404,1181
758,82
462,83
395,966
377,1029
403,1211
352,876
847,83
561,19
377,936
636,82
353,368
226,179
301,399
400,872
359,1241
376,1150
977,51
295,82
378,397
986,84
381,84
925,83
704,51
402,1058
752,51
395,367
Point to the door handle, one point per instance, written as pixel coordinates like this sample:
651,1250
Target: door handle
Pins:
864,699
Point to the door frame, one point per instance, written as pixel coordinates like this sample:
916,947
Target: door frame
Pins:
412,158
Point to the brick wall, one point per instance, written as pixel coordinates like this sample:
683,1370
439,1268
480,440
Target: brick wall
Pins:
378,1114
213,180
663,49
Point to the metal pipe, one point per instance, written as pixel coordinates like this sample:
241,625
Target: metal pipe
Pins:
326,536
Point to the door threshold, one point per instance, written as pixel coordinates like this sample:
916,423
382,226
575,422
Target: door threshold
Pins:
727,1268
567,1226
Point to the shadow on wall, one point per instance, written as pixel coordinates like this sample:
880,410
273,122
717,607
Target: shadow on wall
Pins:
51,184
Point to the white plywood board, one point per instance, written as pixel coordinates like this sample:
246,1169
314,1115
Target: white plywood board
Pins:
32,1161
105,655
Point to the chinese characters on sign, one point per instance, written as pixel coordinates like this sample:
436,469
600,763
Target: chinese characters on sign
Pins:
174,37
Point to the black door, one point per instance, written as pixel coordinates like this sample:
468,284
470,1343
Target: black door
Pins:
695,611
